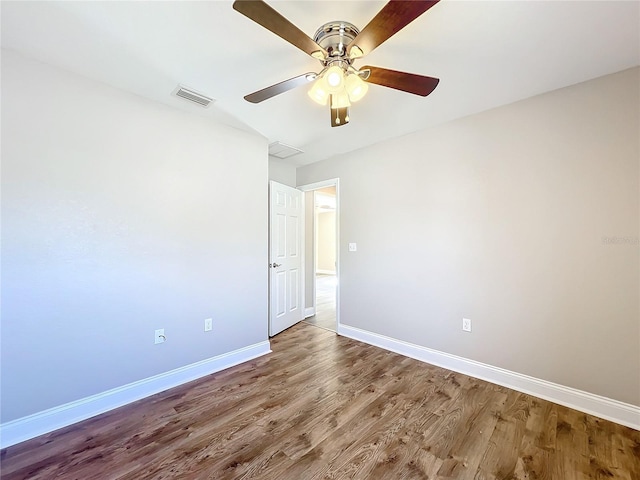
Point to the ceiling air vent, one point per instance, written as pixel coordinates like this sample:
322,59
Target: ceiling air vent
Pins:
280,150
192,96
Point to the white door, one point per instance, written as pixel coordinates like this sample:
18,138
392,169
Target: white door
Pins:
286,226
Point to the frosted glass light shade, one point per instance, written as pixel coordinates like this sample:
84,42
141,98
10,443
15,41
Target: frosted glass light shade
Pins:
318,92
356,87
334,79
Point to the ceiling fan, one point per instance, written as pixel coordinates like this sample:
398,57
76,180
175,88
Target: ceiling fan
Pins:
337,45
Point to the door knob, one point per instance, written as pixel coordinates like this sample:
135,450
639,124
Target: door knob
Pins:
275,265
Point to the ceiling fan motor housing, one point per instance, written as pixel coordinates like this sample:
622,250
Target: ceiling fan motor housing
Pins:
334,38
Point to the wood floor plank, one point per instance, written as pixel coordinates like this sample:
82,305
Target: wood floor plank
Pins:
501,456
327,407
571,457
538,440
477,424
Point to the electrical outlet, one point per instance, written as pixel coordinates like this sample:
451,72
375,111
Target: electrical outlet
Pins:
160,338
466,324
208,324
353,247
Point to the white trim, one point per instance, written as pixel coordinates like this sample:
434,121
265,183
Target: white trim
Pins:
303,277
318,185
309,312
603,407
338,263
52,419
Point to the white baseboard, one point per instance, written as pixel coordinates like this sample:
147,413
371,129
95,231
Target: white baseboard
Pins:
309,312
52,419
325,272
603,407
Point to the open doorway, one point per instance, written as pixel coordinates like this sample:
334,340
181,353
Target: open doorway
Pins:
321,254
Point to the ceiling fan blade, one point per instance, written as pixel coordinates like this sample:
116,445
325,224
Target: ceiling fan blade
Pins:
278,88
263,14
407,82
393,17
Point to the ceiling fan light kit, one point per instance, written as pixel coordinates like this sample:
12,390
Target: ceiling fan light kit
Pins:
342,85
355,87
319,93
337,45
340,100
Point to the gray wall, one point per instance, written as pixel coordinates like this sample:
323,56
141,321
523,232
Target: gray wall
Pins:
524,219
120,216
282,172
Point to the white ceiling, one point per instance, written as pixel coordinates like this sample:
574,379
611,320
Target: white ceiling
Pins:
486,54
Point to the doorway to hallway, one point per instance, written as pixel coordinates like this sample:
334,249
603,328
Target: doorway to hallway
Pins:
325,315
322,255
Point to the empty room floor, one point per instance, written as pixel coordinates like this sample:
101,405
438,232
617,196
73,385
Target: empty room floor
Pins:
324,406
325,316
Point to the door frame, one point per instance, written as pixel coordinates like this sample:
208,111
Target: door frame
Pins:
332,182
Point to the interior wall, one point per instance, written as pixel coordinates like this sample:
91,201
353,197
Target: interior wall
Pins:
282,172
326,242
120,216
524,219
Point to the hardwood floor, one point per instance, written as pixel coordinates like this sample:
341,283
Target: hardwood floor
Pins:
327,407
325,316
